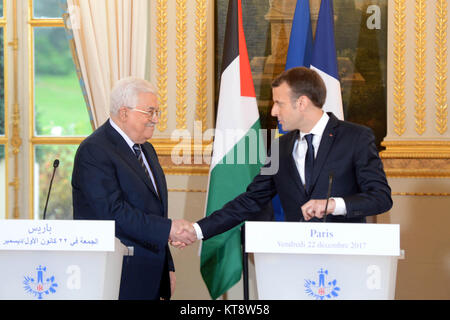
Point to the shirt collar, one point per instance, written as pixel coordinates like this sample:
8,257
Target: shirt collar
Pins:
123,134
319,128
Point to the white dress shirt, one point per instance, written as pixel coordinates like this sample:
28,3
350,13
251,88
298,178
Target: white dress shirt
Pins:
131,144
301,146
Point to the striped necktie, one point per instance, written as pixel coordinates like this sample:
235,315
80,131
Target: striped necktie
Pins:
138,152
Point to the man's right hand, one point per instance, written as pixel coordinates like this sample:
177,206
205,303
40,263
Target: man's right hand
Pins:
182,233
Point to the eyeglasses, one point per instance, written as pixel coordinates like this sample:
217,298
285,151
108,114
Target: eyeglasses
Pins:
151,113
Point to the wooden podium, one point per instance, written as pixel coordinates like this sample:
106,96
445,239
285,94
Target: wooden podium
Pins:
54,259
324,261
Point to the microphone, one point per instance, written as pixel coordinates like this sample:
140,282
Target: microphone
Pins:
55,165
330,183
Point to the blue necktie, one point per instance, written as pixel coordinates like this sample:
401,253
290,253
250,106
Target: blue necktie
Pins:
309,162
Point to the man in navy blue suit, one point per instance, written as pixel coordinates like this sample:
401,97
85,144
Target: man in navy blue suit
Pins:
117,176
317,149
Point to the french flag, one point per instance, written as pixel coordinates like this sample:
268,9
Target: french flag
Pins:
299,55
301,40
324,59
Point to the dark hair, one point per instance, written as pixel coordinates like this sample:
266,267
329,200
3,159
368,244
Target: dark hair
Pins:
303,82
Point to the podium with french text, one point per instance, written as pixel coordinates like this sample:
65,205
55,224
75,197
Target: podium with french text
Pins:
324,261
60,260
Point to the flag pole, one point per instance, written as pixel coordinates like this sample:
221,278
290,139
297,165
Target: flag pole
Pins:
244,264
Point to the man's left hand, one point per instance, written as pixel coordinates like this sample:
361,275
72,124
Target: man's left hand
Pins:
316,208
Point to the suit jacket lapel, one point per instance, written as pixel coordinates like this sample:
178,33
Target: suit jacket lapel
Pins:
125,152
158,175
292,167
325,147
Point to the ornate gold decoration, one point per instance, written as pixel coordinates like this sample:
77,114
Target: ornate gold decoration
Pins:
161,61
422,149
16,140
45,22
399,67
201,56
416,159
441,66
5,138
14,44
197,154
421,194
57,140
420,78
186,170
16,143
417,173
181,64
187,190
165,147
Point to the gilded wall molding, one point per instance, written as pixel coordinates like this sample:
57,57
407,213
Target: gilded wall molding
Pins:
417,173
183,59
16,143
399,67
420,66
183,170
187,190
16,140
181,64
167,147
413,168
441,66
413,159
419,149
184,157
421,194
424,150
201,63
161,61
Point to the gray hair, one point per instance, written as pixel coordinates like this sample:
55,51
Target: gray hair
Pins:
126,91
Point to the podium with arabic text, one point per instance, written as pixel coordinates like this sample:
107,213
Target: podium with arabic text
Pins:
56,259
324,261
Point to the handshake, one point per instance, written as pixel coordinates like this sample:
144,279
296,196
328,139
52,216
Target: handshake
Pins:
182,233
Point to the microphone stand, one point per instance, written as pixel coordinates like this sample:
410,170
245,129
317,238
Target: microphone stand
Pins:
55,165
330,182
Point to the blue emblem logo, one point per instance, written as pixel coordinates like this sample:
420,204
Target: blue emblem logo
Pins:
322,289
40,285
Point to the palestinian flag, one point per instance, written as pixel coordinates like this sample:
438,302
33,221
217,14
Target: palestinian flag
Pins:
236,158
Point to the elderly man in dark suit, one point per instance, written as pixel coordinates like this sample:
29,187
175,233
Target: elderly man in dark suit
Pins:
117,176
317,146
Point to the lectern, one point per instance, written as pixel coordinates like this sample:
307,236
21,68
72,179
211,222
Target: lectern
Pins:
56,259
324,261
